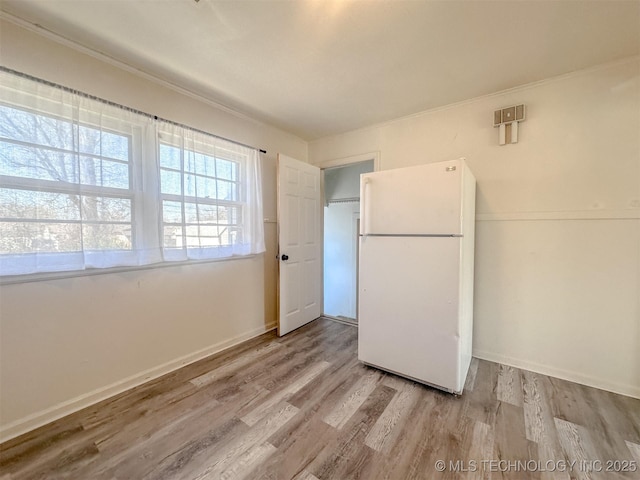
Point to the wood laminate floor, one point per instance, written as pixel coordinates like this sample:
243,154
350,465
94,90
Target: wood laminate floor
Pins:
302,407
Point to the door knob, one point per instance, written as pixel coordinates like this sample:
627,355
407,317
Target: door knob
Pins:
285,258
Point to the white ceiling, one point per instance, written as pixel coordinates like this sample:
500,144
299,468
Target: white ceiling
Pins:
321,67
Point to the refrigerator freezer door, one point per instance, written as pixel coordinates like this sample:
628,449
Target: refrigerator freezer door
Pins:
409,308
422,200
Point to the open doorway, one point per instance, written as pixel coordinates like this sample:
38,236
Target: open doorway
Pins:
341,227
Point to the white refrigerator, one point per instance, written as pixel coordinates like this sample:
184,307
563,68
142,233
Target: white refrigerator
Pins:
415,291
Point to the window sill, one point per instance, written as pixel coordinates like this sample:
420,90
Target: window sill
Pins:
43,277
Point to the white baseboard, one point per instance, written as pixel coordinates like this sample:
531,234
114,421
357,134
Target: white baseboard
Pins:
603,384
43,417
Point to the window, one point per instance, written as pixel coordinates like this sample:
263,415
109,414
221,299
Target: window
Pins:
207,196
56,175
200,198
85,184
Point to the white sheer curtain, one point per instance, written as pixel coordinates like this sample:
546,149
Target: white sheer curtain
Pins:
86,184
211,195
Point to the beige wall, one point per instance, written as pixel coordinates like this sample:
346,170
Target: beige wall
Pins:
69,342
558,218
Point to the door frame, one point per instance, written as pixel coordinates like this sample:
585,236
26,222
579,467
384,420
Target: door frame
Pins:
344,161
333,163
356,255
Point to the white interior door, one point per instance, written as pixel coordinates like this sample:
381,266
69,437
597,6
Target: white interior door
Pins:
299,244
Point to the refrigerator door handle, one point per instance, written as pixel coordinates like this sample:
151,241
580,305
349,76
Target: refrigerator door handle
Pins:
363,207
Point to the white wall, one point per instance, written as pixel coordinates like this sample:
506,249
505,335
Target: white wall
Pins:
344,182
558,218
340,240
66,343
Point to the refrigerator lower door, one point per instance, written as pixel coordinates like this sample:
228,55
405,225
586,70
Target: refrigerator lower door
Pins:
409,316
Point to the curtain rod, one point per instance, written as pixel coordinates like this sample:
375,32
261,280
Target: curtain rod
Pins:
114,104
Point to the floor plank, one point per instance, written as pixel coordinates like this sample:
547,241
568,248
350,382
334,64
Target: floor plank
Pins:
387,427
509,389
353,399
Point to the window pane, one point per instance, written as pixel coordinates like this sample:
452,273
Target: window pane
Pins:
34,128
209,235
205,187
227,191
226,236
106,236
38,163
227,170
202,236
44,164
170,182
33,237
115,146
103,143
208,213
171,212
200,187
169,156
229,215
217,214
106,209
192,233
172,237
28,204
189,161
205,165
103,173
191,213
89,140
